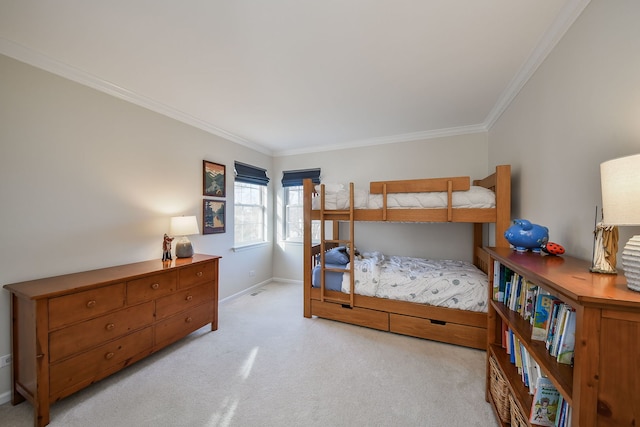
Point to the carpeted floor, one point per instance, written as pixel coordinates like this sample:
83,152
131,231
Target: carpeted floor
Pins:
269,366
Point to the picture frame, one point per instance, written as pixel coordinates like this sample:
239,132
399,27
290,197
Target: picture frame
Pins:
214,179
213,216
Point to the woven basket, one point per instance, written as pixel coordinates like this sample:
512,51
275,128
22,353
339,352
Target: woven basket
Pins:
499,391
517,417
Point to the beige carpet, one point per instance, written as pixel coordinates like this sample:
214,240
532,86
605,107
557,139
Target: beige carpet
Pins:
269,366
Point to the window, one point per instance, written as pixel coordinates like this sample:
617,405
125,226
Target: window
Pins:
293,204
250,203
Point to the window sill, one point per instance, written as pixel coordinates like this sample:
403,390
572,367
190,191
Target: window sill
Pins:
249,246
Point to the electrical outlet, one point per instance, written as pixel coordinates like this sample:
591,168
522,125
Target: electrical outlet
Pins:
5,360
252,273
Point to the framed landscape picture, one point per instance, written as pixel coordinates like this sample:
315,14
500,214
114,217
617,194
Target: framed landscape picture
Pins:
213,179
213,216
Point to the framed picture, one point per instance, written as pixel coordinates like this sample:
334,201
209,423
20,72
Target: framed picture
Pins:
213,179
213,216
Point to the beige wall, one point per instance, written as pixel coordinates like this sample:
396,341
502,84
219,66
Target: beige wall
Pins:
88,181
580,108
450,156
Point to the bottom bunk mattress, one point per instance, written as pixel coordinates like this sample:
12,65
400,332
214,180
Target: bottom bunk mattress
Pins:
442,283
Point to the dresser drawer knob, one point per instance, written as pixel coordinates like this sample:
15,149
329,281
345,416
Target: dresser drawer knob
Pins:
91,304
155,286
189,298
199,274
110,326
109,355
188,320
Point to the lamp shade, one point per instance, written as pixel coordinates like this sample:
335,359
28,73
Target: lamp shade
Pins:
184,226
620,180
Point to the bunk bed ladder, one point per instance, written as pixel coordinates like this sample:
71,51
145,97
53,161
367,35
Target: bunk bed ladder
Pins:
336,216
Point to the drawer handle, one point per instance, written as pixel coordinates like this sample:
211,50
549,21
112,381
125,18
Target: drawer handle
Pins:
91,304
109,355
199,274
110,326
155,286
189,297
188,320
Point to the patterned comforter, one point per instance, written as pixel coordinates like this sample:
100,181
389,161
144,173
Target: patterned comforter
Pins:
443,283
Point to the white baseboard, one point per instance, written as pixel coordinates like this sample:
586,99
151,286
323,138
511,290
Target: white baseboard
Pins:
5,397
246,291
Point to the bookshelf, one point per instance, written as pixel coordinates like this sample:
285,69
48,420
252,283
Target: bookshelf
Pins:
603,384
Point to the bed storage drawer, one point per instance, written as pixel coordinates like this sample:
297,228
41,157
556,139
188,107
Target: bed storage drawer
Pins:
357,316
454,333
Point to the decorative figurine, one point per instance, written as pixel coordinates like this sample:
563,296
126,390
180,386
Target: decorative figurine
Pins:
605,249
166,248
523,236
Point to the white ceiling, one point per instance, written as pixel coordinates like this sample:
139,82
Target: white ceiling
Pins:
293,76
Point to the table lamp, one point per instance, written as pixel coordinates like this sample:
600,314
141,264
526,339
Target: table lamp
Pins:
620,180
184,226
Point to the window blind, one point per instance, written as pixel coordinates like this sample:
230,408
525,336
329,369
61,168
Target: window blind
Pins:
295,178
250,174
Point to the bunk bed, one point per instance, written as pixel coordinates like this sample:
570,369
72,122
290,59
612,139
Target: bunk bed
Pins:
450,325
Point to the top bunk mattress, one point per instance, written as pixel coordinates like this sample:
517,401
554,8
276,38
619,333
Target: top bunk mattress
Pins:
337,197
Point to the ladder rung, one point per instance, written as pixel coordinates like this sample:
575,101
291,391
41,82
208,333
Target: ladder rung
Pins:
336,212
337,300
337,270
337,241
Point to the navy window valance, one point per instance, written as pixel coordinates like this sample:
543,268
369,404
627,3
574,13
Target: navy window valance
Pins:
250,174
294,178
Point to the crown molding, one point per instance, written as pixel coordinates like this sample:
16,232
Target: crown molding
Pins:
552,36
407,137
39,60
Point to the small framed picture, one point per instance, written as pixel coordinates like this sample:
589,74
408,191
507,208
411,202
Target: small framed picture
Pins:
213,216
213,179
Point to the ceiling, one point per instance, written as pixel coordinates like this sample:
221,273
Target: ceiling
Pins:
295,76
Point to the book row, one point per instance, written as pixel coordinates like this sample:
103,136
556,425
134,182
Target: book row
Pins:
548,406
551,320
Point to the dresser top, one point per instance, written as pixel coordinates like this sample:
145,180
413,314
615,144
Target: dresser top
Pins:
571,277
52,286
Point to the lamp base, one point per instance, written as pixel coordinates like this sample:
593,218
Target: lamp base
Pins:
631,263
184,249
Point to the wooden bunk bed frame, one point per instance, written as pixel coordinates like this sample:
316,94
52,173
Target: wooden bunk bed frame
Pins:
460,327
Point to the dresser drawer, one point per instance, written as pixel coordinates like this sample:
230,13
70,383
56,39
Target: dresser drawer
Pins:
181,300
85,305
82,336
151,287
183,324
196,274
90,365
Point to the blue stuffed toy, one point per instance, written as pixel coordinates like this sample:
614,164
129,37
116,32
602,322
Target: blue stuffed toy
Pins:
523,236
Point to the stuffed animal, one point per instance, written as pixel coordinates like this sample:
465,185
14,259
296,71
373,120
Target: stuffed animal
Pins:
524,235
553,248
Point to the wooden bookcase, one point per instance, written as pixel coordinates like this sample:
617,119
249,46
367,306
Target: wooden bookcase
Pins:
603,385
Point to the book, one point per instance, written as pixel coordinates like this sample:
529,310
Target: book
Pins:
567,341
545,403
562,317
530,298
553,323
541,315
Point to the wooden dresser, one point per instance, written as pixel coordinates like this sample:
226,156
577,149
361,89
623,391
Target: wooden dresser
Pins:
70,331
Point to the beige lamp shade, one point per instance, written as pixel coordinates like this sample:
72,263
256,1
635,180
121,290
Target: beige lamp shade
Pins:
184,226
620,180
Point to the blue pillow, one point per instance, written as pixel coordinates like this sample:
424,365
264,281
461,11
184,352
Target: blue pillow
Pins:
337,255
